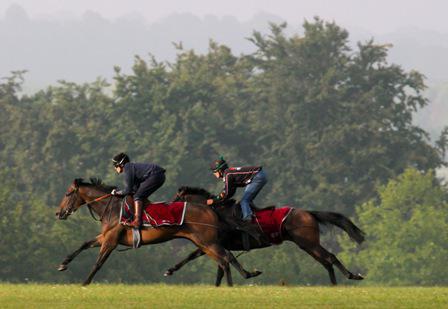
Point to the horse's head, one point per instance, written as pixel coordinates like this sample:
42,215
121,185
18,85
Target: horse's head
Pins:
192,195
71,201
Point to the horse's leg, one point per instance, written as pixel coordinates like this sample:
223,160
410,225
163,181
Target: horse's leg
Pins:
246,274
228,274
105,251
206,238
333,260
108,245
303,229
88,244
317,255
220,255
324,257
197,253
219,276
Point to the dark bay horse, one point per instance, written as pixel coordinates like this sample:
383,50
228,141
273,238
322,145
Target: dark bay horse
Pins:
200,226
301,227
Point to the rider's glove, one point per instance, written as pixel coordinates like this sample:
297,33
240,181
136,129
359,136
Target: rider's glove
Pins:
114,192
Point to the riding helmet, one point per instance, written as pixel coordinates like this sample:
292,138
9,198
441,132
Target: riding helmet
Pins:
120,159
219,165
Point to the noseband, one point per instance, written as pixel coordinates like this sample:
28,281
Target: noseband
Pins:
69,210
71,204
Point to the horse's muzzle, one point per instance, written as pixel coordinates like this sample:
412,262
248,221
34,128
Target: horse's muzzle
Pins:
62,215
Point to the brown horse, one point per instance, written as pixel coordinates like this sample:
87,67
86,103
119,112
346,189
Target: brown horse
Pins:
201,226
301,227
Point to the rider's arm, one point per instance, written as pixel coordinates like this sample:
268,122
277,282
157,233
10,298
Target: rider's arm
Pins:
229,188
128,180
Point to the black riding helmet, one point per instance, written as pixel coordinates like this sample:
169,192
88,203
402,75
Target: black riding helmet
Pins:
120,159
219,165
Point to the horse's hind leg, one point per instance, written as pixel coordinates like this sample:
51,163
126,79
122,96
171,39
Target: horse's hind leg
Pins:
334,261
226,268
88,244
219,276
328,260
246,274
220,255
325,263
197,253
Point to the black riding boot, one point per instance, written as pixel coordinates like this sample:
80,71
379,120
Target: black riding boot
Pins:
253,230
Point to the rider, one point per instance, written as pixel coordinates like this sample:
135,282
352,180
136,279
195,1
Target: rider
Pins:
141,180
253,178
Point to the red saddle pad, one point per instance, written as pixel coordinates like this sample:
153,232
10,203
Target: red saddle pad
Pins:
271,222
155,214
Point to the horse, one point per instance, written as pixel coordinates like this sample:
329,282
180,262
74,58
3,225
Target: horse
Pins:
300,226
200,226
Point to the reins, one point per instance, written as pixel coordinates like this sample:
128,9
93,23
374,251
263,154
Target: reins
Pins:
97,200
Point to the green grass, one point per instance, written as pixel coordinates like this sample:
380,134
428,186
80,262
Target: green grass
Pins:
204,296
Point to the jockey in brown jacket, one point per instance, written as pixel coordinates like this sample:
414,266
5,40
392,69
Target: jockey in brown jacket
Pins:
253,178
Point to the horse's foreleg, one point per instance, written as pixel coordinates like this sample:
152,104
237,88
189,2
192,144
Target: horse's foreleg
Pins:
246,274
88,244
219,276
197,253
105,251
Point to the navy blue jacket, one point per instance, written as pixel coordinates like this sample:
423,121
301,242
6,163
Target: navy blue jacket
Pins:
136,173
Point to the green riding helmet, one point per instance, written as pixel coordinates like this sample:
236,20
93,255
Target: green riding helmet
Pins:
219,165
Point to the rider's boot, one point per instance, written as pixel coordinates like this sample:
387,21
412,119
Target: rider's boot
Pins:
253,229
138,207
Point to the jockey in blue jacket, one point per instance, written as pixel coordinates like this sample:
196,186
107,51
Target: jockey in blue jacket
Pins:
141,180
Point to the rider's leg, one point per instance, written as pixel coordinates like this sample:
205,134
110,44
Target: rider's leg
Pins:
250,193
138,206
146,188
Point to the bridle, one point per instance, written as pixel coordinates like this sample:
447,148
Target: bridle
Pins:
70,208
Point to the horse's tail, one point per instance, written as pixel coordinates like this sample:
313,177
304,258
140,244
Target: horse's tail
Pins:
341,221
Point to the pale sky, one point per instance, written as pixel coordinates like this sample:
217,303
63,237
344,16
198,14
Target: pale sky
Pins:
376,16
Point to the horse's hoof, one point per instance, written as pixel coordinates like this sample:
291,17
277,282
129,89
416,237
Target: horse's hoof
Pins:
168,273
255,274
357,277
62,267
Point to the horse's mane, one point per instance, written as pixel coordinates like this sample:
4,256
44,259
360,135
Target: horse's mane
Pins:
200,191
95,182
194,191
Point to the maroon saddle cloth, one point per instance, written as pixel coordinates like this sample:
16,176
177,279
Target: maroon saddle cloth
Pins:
271,222
154,214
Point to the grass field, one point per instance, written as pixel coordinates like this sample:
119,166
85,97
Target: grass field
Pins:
203,296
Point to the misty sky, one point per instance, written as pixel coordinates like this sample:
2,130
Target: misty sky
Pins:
65,40
376,16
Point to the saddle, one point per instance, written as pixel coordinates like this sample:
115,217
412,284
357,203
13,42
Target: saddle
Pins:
154,214
255,208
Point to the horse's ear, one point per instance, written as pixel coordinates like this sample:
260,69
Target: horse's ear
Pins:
77,182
